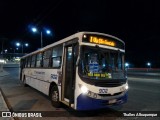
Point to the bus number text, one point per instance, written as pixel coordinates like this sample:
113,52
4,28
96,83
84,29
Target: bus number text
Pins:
103,91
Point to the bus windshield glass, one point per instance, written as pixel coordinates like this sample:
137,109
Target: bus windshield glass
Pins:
99,63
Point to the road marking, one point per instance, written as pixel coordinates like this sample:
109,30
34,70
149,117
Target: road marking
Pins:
144,79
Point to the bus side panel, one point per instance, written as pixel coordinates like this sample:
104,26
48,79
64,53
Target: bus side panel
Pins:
41,79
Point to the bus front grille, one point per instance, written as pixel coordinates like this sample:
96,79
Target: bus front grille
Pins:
104,84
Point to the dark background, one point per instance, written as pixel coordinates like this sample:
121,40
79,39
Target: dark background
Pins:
137,22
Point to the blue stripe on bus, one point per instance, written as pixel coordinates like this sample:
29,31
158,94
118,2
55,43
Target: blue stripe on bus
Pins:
86,103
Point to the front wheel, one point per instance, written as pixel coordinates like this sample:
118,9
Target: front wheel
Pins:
55,97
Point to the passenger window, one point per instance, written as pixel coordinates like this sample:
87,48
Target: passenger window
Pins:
46,58
39,60
56,56
33,61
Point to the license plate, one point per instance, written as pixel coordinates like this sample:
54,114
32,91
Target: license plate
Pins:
112,101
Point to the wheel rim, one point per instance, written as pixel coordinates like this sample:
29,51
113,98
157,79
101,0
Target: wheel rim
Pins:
55,96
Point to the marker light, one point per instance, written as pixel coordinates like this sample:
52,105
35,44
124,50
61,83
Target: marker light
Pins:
84,36
84,89
126,87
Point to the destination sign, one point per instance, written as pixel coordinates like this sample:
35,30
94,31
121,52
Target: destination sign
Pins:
103,40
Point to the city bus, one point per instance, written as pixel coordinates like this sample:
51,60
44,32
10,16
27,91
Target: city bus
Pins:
84,71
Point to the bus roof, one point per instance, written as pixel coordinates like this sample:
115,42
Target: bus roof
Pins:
76,35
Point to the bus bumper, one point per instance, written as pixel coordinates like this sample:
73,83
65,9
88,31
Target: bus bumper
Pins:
87,103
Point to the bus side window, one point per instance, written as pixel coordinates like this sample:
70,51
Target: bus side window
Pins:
56,62
46,58
29,61
33,61
26,62
57,56
39,60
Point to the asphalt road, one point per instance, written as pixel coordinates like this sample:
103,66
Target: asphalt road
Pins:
144,95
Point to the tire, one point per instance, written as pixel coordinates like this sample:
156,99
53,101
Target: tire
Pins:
54,96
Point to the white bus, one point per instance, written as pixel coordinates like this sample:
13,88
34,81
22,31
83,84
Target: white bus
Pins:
84,71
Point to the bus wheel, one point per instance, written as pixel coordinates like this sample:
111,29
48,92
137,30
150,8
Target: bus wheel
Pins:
55,97
24,82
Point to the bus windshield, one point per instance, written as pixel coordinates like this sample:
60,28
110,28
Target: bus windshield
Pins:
99,63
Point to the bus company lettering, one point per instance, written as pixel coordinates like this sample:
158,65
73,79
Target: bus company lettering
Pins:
39,72
101,41
22,114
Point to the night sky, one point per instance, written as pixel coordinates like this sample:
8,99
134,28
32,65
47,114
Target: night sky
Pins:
137,22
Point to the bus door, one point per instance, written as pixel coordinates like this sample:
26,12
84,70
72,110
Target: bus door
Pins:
69,69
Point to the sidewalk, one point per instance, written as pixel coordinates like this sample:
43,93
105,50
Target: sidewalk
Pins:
3,73
4,108
3,105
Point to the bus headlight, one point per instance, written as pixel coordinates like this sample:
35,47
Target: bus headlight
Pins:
84,89
124,88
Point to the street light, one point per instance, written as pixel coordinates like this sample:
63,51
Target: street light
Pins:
26,44
34,29
5,51
149,64
127,65
47,31
19,44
